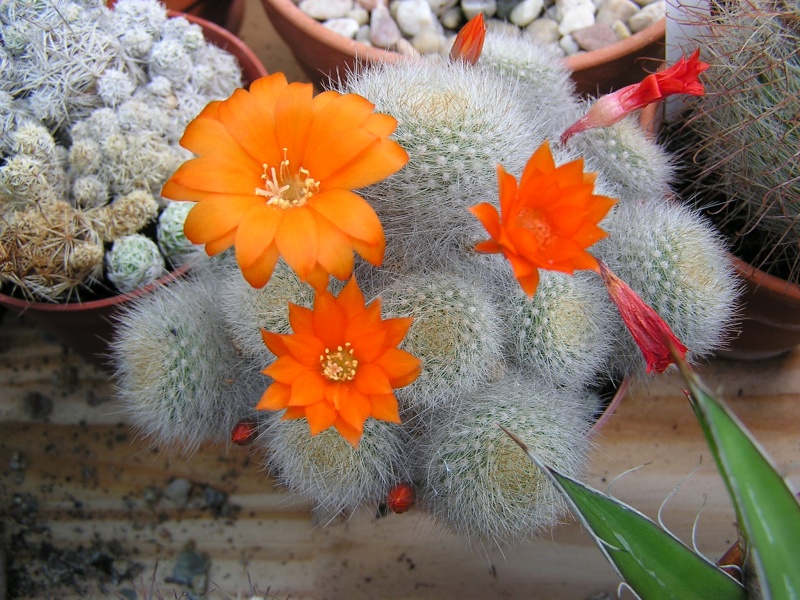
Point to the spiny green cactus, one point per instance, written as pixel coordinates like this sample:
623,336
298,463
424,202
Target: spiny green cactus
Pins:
329,472
456,123
564,334
473,477
677,263
747,129
456,333
174,244
133,261
178,376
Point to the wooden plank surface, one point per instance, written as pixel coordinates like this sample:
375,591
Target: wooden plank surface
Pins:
79,494
93,485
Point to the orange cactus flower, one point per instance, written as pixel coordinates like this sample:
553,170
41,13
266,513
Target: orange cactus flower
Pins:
274,174
468,44
340,365
680,78
650,332
546,223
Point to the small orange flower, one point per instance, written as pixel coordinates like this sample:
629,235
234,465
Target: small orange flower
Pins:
274,175
468,44
548,222
340,364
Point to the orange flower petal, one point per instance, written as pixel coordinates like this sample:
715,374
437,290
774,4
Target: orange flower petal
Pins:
276,397
318,278
220,244
209,136
301,319
488,216
266,90
256,232
398,365
306,349
352,435
373,254
308,389
234,174
355,409
380,124
371,379
252,127
287,369
274,343
381,159
384,408
329,320
396,329
294,412
320,416
216,216
350,213
351,300
335,256
259,273
178,192
297,240
293,116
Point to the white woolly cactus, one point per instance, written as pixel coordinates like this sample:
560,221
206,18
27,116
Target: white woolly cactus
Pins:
329,472
172,242
473,477
93,104
177,374
133,261
456,333
670,255
489,353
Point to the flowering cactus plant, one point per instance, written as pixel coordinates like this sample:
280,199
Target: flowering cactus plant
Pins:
359,241
93,103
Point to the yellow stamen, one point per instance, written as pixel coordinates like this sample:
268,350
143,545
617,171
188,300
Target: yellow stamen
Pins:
339,365
285,190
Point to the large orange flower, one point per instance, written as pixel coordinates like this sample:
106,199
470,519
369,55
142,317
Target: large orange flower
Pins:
548,222
340,365
274,175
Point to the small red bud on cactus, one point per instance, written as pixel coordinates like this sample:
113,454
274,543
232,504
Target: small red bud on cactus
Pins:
244,432
401,497
469,41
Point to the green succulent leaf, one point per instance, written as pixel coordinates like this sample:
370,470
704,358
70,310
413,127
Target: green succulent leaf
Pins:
767,510
653,562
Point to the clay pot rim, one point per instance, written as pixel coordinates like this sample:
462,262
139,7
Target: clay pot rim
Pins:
576,63
762,279
20,304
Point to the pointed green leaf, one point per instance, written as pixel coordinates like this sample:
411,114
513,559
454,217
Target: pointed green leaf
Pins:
768,511
654,563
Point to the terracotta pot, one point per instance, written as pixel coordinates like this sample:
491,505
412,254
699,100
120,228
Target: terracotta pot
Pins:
225,13
87,327
770,323
324,54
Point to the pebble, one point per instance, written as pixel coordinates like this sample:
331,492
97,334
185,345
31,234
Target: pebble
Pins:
414,27
343,26
178,491
647,16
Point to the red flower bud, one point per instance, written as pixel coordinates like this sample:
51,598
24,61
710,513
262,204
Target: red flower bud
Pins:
244,432
401,497
469,41
649,330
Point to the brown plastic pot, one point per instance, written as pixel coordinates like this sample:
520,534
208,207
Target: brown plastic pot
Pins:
324,54
770,324
87,327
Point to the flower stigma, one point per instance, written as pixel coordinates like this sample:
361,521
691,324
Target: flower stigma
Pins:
339,365
284,189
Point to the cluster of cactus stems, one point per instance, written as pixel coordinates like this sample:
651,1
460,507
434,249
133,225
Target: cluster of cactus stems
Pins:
93,103
744,134
490,355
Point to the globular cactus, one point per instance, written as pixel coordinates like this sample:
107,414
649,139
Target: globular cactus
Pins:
177,374
172,242
564,334
677,263
474,478
336,477
456,123
246,310
746,132
457,333
133,261
125,215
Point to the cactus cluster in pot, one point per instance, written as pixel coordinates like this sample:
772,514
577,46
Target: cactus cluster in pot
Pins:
741,141
93,103
389,373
